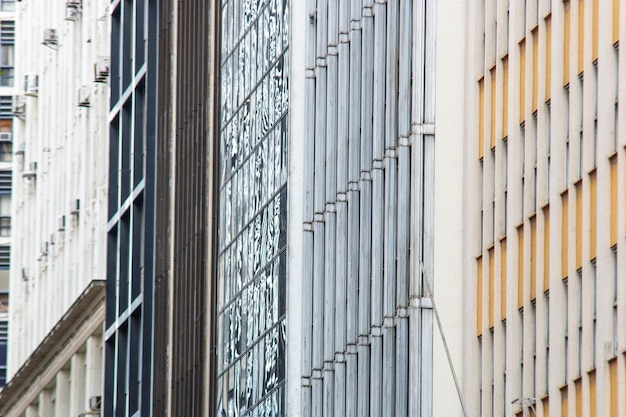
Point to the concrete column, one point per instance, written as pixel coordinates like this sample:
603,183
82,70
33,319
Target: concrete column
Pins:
46,403
77,384
62,395
93,366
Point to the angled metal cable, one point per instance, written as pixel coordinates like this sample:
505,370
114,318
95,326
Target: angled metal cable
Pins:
429,293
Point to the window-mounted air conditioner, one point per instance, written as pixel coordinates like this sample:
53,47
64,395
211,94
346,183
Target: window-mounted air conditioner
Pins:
72,10
6,137
21,149
95,403
101,69
31,85
19,106
31,172
75,206
50,37
83,96
61,223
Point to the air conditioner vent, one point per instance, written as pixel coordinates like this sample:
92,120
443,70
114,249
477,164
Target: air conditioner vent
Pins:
31,85
73,10
61,223
21,149
19,106
50,38
83,96
101,69
95,403
6,137
75,207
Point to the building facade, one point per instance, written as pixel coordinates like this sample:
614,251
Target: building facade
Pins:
7,89
58,206
272,223
545,208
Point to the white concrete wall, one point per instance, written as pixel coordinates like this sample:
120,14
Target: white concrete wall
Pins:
70,146
449,153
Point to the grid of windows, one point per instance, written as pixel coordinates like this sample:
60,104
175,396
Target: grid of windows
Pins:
4,334
7,53
130,247
252,209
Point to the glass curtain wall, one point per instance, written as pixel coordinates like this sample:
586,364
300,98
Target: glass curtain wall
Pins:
254,132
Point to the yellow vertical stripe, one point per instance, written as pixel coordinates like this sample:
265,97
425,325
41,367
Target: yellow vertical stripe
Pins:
581,35
594,29
613,231
492,134
546,248
522,80
548,57
564,234
533,257
615,20
546,407
564,404
492,300
567,36
503,268
479,296
579,224
535,34
520,266
505,96
593,402
593,217
578,386
613,388
481,117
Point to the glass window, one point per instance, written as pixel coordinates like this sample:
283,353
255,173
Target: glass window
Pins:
7,5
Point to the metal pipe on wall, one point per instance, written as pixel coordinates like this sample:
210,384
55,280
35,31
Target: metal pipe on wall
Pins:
354,173
341,262
308,252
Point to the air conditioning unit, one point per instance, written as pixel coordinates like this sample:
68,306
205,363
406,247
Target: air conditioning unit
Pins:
83,96
6,137
31,172
31,85
75,206
95,403
72,10
50,37
101,69
61,223
19,106
21,149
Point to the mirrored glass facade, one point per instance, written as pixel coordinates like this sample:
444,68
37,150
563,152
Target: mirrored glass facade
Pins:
252,197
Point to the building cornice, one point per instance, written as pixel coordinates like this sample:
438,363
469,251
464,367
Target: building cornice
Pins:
88,307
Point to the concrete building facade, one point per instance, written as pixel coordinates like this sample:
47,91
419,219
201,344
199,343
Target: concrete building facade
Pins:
239,138
58,208
7,89
545,220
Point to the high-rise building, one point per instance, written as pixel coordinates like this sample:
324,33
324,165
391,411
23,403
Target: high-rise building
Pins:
59,198
274,209
7,84
545,217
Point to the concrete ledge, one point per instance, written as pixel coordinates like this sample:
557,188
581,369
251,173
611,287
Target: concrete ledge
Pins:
53,345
